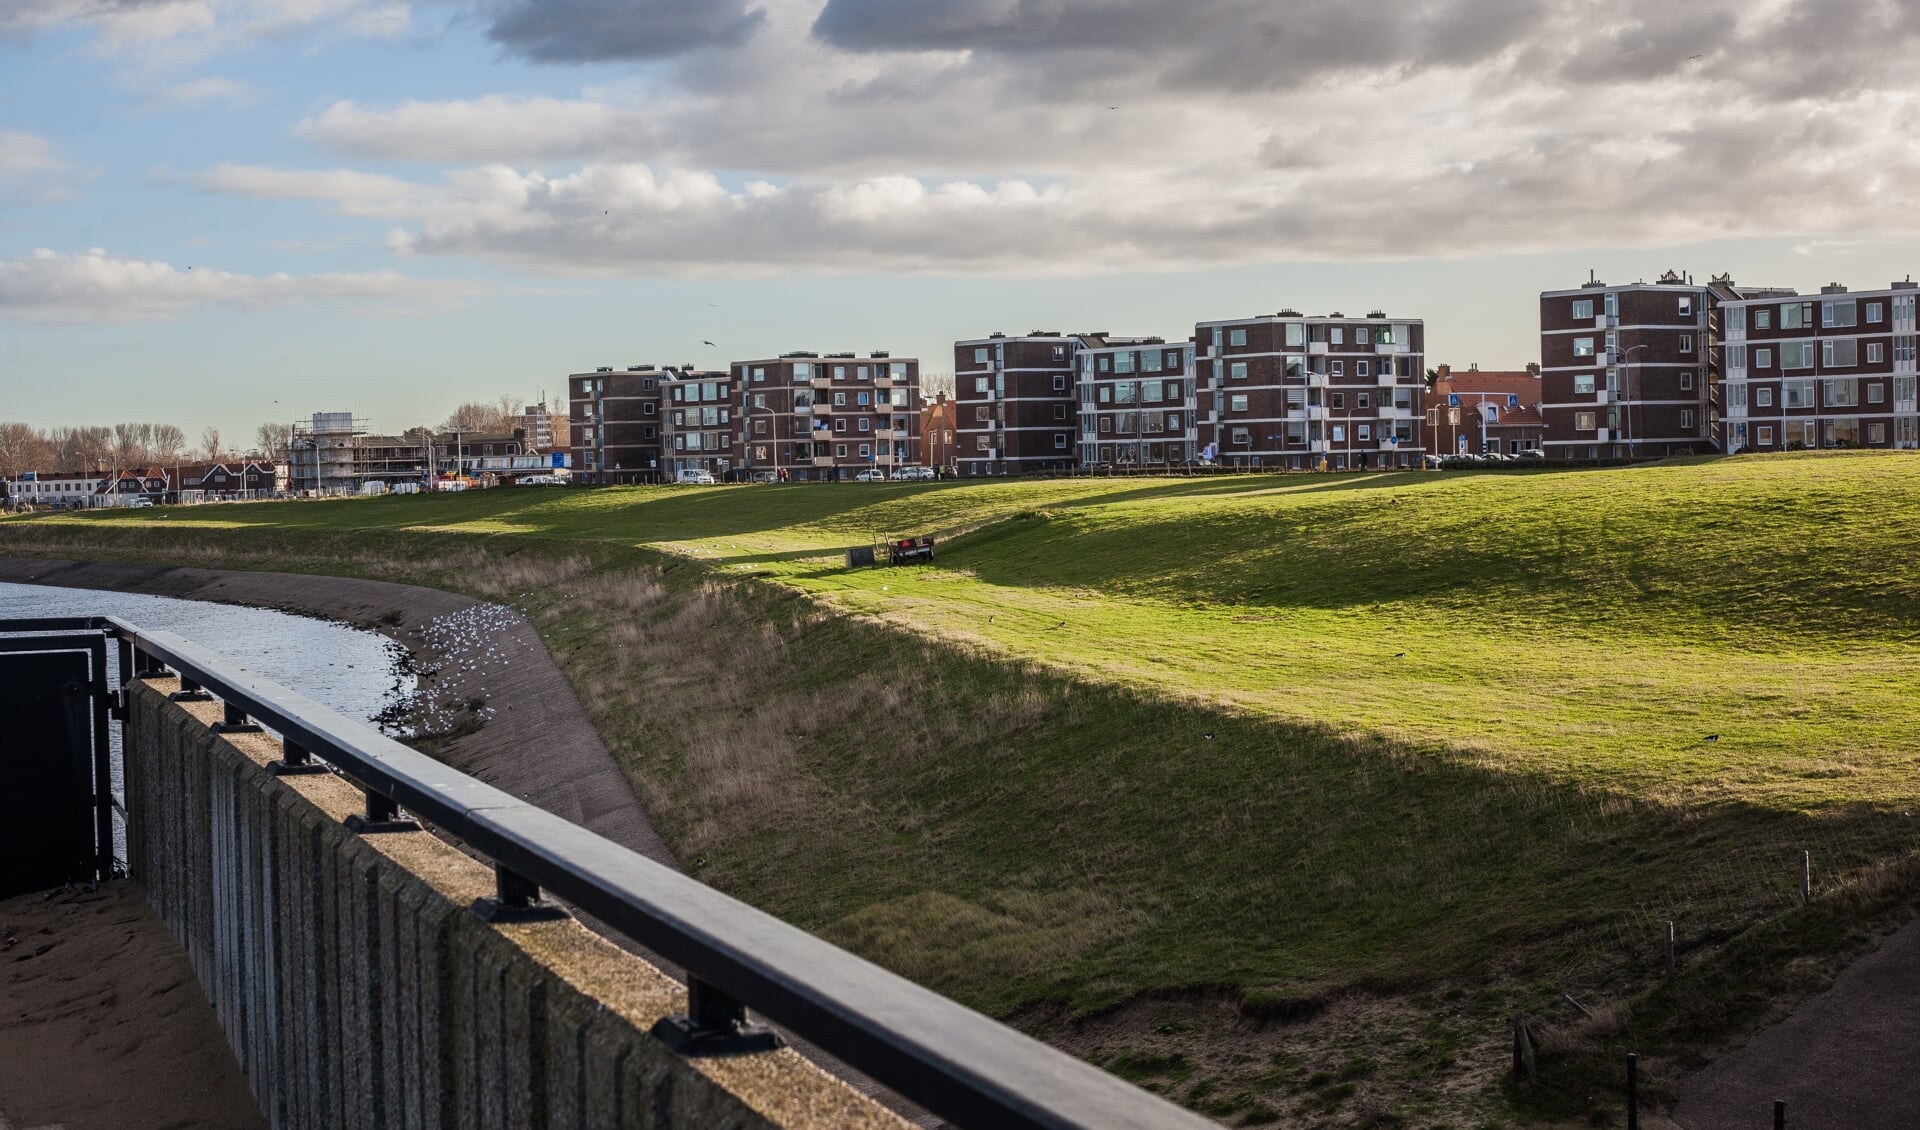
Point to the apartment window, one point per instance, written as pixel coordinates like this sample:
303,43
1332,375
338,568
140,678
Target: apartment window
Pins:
1059,353
1763,319
1106,423
897,370
1296,398
1106,363
840,425
1059,411
1840,354
1237,403
802,371
1763,358
1337,335
1173,359
1874,310
1686,419
1582,384
860,398
1238,371
839,372
982,385
981,412
1360,369
1686,306
866,424
1763,398
1296,334
1582,309
1340,400
1363,400
1765,437
1583,347
1585,421
866,451
1736,319
839,399
1839,313
1123,362
1059,441
1686,380
980,355
1337,368
648,408
1362,432
839,451
1237,336
1686,343
1842,393
1796,315
1796,355
1339,433
1876,393
1150,361
1874,353
1797,393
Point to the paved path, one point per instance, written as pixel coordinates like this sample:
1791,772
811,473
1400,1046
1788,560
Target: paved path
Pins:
1848,1059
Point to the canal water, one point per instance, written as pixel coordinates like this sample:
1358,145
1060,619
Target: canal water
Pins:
354,671
357,672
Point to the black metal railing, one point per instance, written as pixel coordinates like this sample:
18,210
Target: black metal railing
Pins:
957,1063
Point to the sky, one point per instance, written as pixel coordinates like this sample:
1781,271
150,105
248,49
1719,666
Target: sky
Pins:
232,211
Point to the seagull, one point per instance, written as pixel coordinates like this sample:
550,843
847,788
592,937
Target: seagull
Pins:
1399,655
1713,737
703,341
1691,58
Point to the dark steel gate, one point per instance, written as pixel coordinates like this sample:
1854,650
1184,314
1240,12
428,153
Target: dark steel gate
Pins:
56,787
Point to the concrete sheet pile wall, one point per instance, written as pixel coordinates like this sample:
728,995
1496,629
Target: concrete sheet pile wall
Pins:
358,989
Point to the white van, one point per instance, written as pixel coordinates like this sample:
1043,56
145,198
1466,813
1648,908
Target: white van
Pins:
694,477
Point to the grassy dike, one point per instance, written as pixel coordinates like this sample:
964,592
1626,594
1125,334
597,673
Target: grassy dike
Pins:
1279,795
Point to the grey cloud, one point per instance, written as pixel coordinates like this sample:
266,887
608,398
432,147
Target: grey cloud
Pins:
1245,44
597,31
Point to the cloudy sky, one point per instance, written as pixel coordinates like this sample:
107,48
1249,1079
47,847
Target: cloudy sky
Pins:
232,210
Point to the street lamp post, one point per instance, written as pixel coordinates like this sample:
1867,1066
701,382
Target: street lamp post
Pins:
1626,413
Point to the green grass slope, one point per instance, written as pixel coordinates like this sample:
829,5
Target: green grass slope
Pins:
1270,738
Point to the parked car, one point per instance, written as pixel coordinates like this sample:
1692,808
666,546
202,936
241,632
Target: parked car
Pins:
871,475
695,478
139,501
913,474
543,481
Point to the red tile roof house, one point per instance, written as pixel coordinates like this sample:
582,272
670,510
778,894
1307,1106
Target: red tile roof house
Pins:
1471,412
251,478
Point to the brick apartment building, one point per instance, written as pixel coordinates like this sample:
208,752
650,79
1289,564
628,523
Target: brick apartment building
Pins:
1628,370
697,430
614,424
1293,392
1138,403
810,416
1833,371
1015,402
1474,412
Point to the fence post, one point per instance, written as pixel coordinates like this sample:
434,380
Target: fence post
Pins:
1670,948
1633,1091
1779,1114
1806,878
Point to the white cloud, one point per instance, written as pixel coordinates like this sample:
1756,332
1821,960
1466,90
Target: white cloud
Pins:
201,91
24,153
92,287
180,32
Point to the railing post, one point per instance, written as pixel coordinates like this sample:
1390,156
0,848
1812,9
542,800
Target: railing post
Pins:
189,691
715,1024
382,815
516,898
1779,1114
1633,1091
294,761
233,720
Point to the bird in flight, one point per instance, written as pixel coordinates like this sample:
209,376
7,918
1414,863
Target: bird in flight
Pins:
1691,58
703,341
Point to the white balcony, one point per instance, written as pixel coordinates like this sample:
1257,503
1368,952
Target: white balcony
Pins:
1316,347
1601,435
1298,414
1390,347
1599,321
1387,380
1317,380
1602,397
1906,407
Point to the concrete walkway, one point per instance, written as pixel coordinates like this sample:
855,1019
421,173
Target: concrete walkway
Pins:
1844,1060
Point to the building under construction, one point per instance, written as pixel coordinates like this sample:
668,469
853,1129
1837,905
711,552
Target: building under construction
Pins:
335,454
